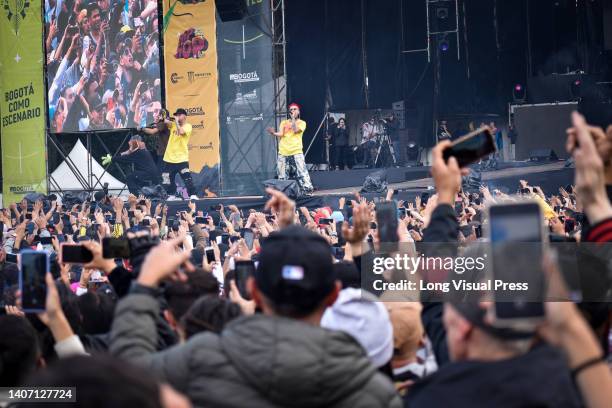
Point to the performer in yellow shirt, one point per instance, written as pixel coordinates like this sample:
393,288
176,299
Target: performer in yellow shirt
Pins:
176,157
290,150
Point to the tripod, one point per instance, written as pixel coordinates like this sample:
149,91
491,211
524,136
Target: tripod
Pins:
382,140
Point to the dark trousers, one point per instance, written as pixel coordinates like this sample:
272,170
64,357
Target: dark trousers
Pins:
341,157
369,153
139,179
169,172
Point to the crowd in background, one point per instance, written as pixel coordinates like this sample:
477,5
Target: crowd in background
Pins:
175,324
102,63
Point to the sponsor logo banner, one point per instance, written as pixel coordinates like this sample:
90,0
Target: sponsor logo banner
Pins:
22,100
190,41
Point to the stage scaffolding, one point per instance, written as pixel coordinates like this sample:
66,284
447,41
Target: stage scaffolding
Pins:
279,61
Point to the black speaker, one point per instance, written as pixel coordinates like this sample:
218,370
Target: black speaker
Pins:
288,187
543,155
231,10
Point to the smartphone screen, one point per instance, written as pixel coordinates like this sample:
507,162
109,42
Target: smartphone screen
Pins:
244,269
200,220
145,222
210,255
325,221
516,245
472,147
341,240
33,266
113,248
77,254
225,238
248,238
46,240
11,258
386,218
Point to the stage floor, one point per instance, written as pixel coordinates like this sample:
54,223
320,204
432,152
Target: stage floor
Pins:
549,176
505,177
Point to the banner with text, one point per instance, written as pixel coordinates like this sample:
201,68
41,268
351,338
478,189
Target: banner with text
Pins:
190,56
22,102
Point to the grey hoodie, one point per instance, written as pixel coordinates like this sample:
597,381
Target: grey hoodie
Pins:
258,361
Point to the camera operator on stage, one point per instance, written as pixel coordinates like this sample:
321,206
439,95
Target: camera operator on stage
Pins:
369,133
176,156
160,133
290,155
341,150
144,172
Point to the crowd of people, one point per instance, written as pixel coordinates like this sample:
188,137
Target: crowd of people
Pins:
102,64
178,323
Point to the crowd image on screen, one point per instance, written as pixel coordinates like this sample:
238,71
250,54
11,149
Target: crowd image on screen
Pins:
102,64
221,303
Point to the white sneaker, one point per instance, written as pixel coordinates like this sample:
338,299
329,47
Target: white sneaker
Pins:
194,197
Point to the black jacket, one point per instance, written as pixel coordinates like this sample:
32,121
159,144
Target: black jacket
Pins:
440,237
340,137
539,378
142,161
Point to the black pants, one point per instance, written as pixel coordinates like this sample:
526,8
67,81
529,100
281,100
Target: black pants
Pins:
139,179
369,153
169,172
341,157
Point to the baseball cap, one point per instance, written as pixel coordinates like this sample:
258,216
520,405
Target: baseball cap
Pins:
180,111
295,269
360,314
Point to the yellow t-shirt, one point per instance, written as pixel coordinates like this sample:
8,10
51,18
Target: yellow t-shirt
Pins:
177,150
291,143
546,208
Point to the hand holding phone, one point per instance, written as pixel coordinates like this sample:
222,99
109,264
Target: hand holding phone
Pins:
244,269
75,253
115,248
472,147
516,233
33,268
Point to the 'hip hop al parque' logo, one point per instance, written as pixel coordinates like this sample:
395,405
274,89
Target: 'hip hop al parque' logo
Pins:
191,44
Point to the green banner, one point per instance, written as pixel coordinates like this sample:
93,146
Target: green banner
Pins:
22,99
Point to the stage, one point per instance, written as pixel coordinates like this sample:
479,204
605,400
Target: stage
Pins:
549,176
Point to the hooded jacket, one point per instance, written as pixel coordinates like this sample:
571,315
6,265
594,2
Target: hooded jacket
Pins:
257,361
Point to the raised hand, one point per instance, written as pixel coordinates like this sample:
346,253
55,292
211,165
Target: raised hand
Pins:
282,206
361,224
164,261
